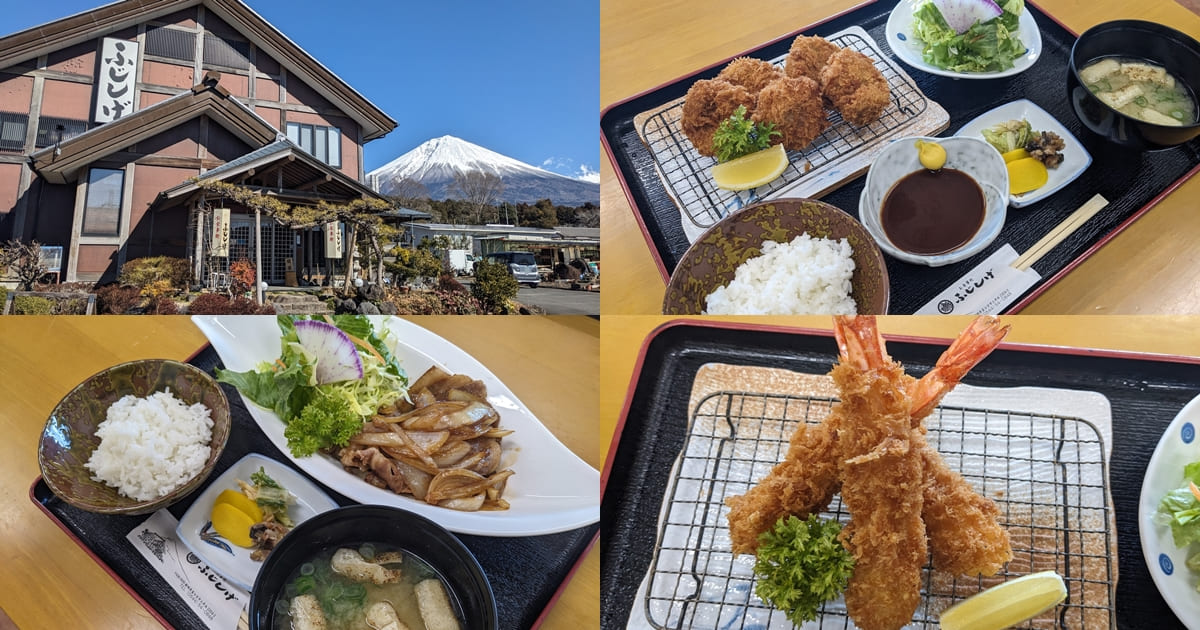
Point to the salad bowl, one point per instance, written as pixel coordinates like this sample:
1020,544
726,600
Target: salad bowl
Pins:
551,490
1178,447
900,38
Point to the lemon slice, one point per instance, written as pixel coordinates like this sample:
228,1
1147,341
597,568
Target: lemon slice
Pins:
1006,604
751,171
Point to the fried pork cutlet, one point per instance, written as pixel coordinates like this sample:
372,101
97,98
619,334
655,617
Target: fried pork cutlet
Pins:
708,102
808,55
855,87
795,106
752,74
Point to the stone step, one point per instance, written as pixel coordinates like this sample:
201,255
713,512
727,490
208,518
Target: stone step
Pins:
298,304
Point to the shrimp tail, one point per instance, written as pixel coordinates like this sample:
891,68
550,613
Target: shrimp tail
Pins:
972,346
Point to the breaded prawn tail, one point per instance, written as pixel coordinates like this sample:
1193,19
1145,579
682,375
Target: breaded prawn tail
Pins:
708,102
963,526
808,55
886,535
795,106
803,483
855,87
752,74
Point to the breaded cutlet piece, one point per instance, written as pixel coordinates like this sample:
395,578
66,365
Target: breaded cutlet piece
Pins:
808,55
795,106
855,87
708,102
752,74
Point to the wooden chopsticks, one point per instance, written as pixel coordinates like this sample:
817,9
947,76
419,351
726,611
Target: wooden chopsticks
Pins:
1060,232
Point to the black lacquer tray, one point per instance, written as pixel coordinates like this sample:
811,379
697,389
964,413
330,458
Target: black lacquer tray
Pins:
1131,182
1145,393
525,573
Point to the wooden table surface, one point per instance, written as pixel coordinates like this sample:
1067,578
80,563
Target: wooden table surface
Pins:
47,581
1152,267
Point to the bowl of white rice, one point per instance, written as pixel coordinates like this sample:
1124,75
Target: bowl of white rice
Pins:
135,437
781,257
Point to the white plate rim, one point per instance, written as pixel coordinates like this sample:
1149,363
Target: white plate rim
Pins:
1029,33
998,113
1156,539
581,505
306,492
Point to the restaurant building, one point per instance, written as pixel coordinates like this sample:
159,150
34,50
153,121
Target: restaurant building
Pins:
108,117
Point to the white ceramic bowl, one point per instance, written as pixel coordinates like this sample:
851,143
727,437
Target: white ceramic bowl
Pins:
974,157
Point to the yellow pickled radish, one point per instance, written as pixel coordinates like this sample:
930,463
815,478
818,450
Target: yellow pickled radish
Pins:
241,502
232,524
931,155
1006,604
751,171
1026,174
1015,154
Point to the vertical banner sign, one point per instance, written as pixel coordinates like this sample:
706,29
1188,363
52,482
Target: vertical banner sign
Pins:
114,85
220,235
333,240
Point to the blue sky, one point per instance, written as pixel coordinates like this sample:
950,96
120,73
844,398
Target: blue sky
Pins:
521,77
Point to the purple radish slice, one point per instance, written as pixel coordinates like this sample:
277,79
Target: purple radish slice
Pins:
961,15
336,355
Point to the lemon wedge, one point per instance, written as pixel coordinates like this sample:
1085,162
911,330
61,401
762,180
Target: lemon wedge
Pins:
1006,604
751,171
931,155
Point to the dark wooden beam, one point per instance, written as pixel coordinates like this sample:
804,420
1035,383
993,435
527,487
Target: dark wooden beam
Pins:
313,183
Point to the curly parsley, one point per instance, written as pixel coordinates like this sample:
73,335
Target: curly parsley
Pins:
737,136
801,565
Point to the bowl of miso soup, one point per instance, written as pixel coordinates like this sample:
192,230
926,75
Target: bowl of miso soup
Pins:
367,567
1135,83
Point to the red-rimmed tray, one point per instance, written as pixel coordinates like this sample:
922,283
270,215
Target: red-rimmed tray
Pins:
526,574
1131,184
1145,393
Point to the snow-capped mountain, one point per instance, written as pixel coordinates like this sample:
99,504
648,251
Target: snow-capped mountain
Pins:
436,161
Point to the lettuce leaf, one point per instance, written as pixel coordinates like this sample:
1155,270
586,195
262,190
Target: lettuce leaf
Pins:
990,46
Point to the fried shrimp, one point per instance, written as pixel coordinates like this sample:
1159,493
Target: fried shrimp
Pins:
808,55
855,87
752,74
795,106
902,498
709,102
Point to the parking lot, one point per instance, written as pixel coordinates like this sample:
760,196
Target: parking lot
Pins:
561,301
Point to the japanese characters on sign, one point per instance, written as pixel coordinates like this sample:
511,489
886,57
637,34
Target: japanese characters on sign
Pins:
333,240
114,85
220,235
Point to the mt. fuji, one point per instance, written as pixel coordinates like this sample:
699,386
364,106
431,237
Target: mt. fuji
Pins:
436,161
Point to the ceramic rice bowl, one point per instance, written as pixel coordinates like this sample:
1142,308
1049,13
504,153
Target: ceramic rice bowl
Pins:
712,260
69,437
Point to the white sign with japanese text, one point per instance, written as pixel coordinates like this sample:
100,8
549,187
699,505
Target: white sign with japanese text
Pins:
333,240
985,290
220,235
114,85
216,602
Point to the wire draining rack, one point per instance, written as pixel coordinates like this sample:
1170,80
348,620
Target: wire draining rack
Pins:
685,172
1046,474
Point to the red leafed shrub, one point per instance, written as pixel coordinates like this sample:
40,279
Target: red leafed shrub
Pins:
162,306
241,276
217,304
114,299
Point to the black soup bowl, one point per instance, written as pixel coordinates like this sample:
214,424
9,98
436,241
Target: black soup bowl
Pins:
468,589
1148,41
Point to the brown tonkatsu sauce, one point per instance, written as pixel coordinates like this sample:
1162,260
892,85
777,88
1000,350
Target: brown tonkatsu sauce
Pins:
933,212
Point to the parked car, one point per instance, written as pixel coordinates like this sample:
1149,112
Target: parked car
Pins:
460,261
521,265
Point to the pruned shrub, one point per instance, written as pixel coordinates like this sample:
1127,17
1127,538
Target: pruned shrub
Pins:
176,273
162,306
241,276
217,304
31,305
433,302
3,295
493,286
448,283
114,299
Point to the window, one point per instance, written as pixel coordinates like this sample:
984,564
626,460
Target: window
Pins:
323,143
102,211
48,133
221,51
171,43
12,131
